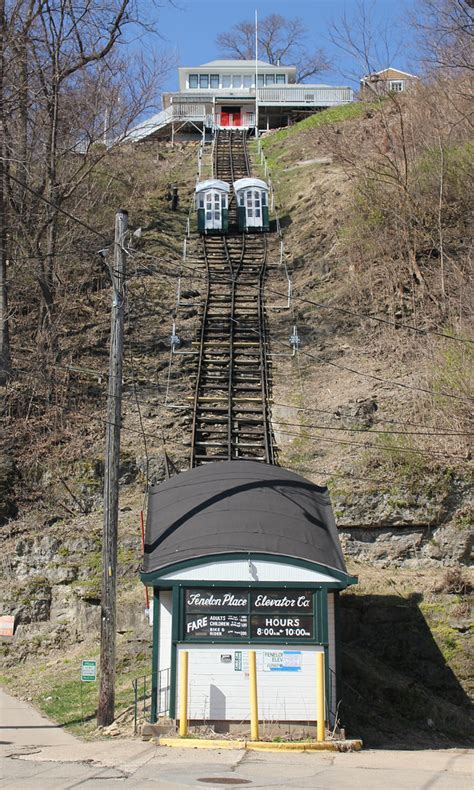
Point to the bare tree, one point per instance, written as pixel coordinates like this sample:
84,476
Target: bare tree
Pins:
4,324
446,34
365,39
68,88
280,39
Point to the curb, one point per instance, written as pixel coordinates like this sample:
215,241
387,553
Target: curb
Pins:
353,745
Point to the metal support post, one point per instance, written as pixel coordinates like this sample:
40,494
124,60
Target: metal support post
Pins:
106,706
253,695
183,693
320,701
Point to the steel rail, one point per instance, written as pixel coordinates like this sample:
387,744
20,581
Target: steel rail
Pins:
230,414
263,359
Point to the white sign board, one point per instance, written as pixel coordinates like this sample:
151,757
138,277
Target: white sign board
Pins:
282,660
88,671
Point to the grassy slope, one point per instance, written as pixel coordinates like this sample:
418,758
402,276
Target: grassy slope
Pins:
406,647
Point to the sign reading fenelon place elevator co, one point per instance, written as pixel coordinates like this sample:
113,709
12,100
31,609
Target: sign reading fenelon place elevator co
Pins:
248,614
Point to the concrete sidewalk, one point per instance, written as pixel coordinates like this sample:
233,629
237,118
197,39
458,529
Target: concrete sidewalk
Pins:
38,755
21,725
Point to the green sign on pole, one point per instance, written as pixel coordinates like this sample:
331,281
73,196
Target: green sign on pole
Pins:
89,671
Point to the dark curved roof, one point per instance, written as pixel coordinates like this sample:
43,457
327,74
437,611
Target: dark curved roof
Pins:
239,506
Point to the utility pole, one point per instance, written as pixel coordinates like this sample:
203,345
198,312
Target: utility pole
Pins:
106,708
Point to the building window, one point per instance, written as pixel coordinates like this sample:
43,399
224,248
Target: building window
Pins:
204,80
214,80
226,80
261,80
281,79
269,79
237,80
396,86
193,80
248,80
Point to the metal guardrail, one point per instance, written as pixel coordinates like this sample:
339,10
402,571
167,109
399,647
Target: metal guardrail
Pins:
143,692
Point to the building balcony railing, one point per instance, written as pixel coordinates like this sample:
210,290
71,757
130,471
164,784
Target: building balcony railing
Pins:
286,95
299,95
244,120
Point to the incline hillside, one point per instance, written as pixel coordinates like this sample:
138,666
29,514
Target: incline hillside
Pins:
374,205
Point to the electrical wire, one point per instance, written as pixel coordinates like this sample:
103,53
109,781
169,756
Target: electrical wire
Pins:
339,415
372,430
322,305
368,445
58,208
141,401
353,313
368,375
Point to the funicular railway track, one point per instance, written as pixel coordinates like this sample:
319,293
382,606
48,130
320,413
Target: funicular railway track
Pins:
231,161
230,416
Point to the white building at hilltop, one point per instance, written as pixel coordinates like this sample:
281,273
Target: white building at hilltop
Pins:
239,94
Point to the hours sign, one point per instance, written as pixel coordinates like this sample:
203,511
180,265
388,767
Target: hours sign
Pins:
228,614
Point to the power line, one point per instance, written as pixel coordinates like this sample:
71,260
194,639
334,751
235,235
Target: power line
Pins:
163,403
347,311
58,208
339,415
371,430
322,305
392,448
358,372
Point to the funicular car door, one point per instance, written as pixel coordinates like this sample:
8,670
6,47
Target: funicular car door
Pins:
213,218
253,208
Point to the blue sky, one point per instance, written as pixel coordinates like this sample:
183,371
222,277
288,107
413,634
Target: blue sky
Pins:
189,28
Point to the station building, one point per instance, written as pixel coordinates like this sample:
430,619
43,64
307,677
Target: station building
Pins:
241,556
238,94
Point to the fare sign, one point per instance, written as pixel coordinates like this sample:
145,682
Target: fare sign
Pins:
218,626
228,614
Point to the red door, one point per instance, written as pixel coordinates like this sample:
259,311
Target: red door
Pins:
237,119
224,118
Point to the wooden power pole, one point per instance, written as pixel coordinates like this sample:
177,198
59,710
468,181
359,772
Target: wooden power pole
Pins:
106,708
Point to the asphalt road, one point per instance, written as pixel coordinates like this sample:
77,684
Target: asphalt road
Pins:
36,754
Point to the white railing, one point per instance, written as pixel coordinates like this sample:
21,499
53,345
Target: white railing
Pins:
188,112
316,95
289,95
311,95
241,120
175,112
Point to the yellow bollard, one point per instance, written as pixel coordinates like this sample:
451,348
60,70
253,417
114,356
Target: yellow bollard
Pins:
183,693
253,695
320,701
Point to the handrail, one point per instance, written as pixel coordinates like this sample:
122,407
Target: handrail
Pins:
145,689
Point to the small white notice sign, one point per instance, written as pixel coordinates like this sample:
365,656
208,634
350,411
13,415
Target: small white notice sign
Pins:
282,660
